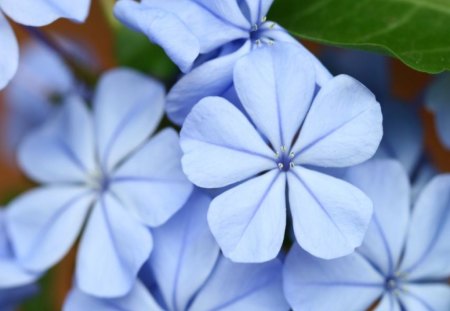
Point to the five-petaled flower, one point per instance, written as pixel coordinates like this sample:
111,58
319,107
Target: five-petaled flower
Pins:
403,262
297,131
100,169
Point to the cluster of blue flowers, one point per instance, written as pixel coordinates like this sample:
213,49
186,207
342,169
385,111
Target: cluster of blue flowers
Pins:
280,192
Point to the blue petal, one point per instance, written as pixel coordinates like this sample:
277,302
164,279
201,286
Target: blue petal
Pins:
437,99
120,245
139,298
258,9
236,287
44,12
426,297
347,283
41,74
227,11
387,185
128,107
349,135
276,85
330,216
44,224
220,145
389,302
212,78
184,253
171,24
151,181
427,248
9,53
248,221
62,150
403,137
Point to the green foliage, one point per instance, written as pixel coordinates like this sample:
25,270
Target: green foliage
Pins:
415,31
135,50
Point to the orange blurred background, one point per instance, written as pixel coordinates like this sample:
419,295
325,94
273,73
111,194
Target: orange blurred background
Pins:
97,33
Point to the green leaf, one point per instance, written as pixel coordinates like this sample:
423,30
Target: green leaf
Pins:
415,31
136,51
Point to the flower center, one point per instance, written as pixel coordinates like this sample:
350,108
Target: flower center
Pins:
259,33
393,283
98,182
284,159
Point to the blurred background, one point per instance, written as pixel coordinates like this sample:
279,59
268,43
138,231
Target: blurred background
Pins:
111,45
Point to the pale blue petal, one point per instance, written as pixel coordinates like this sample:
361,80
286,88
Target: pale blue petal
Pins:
426,297
403,136
183,28
349,135
330,216
347,283
426,172
120,245
236,287
276,85
248,221
151,181
221,146
9,53
138,299
228,11
258,9
44,12
44,224
213,78
437,100
63,149
128,107
385,182
184,253
427,249
388,302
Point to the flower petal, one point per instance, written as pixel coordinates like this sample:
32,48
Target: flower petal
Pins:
184,253
258,10
347,283
128,107
330,216
120,245
343,126
151,181
9,53
426,297
385,182
228,11
63,149
276,85
171,25
220,145
44,223
248,287
213,78
437,99
44,12
427,249
248,221
139,298
388,302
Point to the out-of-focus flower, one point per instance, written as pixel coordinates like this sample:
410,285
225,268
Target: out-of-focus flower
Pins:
437,101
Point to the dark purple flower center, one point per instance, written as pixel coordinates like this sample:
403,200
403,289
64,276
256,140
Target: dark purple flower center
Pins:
284,159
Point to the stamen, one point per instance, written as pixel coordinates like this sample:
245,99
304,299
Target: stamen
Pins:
272,26
264,19
283,148
291,155
291,164
254,27
280,166
277,155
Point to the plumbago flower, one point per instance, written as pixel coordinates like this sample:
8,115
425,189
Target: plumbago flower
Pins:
100,169
31,13
15,283
205,38
296,131
32,97
437,101
187,273
403,261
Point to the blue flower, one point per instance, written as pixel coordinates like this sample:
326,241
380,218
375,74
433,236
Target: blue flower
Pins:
15,282
186,272
99,171
31,13
403,262
41,80
205,38
296,132
437,101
